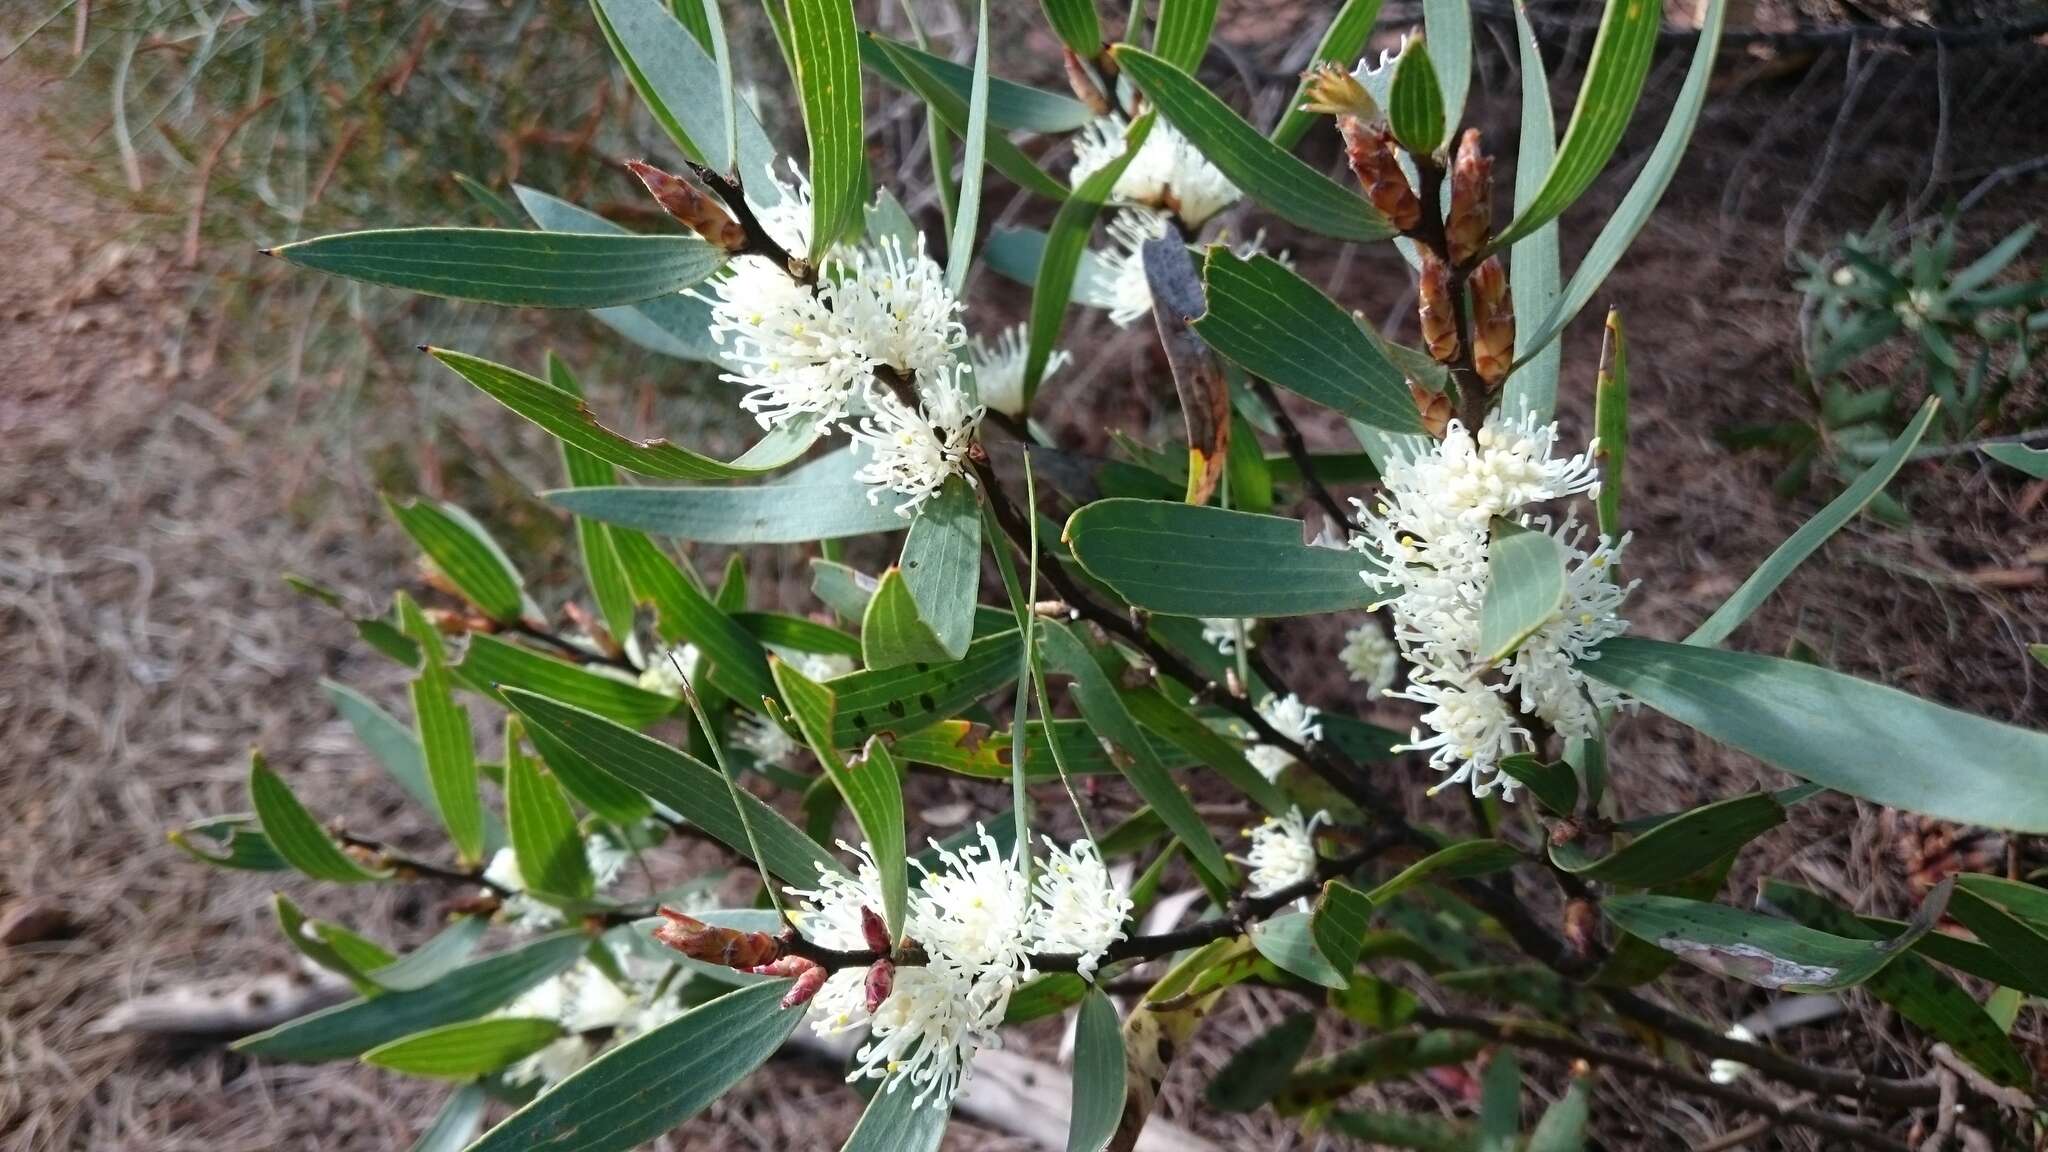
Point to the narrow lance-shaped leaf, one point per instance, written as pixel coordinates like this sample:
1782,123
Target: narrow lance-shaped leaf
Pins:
1534,260
1610,423
676,325
951,109
490,663
1183,560
522,269
819,501
1811,535
967,212
457,1123
601,570
467,1050
1850,735
1342,42
2032,461
1077,24
1098,1075
1679,847
1257,1071
870,785
1181,36
294,833
681,83
544,836
895,1121
1064,249
826,50
937,579
445,739
900,701
1447,25
1266,172
1614,79
471,562
1011,106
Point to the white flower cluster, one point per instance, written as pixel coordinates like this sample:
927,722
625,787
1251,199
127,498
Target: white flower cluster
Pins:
812,351
1433,527
583,1000
999,368
1283,851
662,671
979,925
1168,173
1224,632
530,914
1371,658
1293,719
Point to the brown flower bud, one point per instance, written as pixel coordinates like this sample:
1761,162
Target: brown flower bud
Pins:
1471,218
1084,85
1493,322
1434,407
1370,148
1329,89
874,929
727,947
698,210
810,976
1435,309
1581,927
881,981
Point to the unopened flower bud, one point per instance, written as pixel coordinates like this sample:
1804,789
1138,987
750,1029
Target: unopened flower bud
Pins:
873,928
1433,407
1493,322
810,976
1328,89
1370,148
881,981
1084,85
1471,217
1436,310
1580,927
698,210
727,947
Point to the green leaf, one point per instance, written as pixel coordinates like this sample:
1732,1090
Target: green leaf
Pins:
591,787
295,835
1342,43
1077,24
2022,945
1260,1069
1534,259
1563,1126
445,739
1099,1084
1920,992
1636,207
1279,327
894,1121
967,207
564,417
1553,783
1678,847
349,1030
1152,707
687,785
1614,79
1011,106
2032,461
391,743
445,951
471,560
517,268
467,1050
871,785
349,961
235,842
1610,423
489,663
1382,1057
797,633
458,1122
900,701
653,1082
1063,250
739,665
1415,100
1847,734
924,608
1762,950
673,325
681,84
953,110
1811,535
1180,37
602,572
2029,902
1447,27
1186,560
1500,1103
825,49
819,501
1096,694
1393,1130
544,836
1266,172
1339,923
1525,588
1288,940
1453,862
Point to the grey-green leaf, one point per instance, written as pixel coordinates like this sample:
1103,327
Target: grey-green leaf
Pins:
1098,1075
1011,106
1763,950
512,267
870,785
681,83
457,1123
1186,560
1680,846
895,1122
470,560
1525,588
819,501
825,50
673,325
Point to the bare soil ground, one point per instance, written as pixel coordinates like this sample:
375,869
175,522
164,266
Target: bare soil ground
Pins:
145,514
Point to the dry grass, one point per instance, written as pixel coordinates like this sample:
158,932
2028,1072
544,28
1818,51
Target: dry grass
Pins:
143,521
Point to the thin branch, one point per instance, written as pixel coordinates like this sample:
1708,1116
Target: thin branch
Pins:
1297,450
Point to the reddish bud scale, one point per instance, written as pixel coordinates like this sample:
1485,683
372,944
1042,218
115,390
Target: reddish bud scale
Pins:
1471,217
697,209
1435,308
1493,322
807,984
727,947
1370,149
1433,407
875,931
881,981
1084,84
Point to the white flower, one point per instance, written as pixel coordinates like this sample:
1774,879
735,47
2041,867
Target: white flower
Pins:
1729,1071
1223,632
1270,759
784,343
823,666
1371,658
788,220
975,909
928,1030
1471,732
999,368
1283,851
914,452
581,1000
1080,907
896,307
765,740
830,914
1544,670
606,858
1293,719
1168,172
665,669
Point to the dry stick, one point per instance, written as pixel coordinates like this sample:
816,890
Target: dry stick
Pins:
423,870
1750,1131
1788,1112
1297,450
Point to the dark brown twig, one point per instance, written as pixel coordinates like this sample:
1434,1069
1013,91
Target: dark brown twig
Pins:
1297,450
